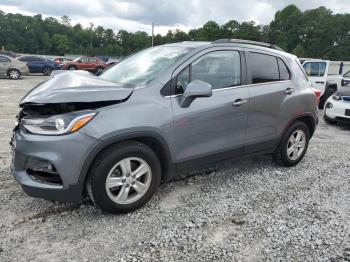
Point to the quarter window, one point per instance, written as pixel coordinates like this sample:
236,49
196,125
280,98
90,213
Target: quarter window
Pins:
220,69
264,68
284,72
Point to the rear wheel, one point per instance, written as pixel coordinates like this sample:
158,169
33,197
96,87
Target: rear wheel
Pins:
124,177
98,70
13,74
293,146
72,68
47,70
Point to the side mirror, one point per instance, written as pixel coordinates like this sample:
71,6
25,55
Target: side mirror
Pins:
195,89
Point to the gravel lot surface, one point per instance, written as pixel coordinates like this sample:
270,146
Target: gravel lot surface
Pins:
247,210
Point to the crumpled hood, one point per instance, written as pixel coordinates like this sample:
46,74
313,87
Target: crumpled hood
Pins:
76,86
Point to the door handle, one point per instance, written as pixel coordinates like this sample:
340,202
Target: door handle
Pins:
289,91
239,102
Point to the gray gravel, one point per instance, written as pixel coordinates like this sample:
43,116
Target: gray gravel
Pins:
248,210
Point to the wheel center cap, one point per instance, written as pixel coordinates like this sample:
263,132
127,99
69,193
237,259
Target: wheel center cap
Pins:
129,180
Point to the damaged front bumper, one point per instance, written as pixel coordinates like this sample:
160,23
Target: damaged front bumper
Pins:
50,167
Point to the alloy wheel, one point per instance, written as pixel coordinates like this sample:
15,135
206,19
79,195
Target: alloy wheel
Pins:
14,74
128,180
296,144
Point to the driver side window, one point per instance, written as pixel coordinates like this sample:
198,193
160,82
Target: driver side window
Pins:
219,68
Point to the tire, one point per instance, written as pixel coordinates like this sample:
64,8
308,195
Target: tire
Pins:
281,155
13,74
98,70
72,68
108,166
328,93
47,70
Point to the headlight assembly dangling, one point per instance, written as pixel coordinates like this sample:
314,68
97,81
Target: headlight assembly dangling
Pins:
58,124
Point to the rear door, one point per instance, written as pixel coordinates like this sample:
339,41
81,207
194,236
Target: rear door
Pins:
92,63
4,65
214,125
270,87
316,72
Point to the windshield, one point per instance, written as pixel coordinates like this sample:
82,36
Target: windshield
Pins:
143,67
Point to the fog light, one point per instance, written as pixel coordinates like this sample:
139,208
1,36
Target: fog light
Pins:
329,105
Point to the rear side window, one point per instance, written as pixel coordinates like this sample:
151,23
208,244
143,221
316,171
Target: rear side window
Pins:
4,59
92,60
219,68
264,68
315,68
284,72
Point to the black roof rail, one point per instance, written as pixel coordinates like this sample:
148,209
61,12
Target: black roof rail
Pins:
249,42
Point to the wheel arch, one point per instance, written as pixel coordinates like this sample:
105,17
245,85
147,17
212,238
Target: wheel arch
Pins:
151,139
308,119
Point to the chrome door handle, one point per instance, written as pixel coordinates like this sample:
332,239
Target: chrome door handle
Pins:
289,91
240,102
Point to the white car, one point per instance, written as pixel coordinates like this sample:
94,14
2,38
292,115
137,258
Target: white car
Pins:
337,107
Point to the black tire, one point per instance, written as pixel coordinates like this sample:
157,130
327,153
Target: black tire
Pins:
98,70
280,155
72,67
47,70
328,93
96,182
14,74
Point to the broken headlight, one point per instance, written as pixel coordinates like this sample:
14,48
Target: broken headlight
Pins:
58,124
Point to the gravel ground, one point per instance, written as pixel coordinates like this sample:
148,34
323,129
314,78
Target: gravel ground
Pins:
247,210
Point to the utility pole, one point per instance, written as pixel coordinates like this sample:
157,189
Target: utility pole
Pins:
152,33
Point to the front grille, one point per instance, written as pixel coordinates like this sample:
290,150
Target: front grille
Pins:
343,119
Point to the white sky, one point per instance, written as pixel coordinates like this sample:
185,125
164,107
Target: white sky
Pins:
134,15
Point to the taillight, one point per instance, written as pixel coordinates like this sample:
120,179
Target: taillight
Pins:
317,94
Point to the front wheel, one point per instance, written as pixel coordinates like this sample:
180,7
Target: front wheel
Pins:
293,146
124,177
13,74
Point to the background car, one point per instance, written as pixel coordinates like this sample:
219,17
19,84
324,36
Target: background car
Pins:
345,82
337,108
39,64
12,68
92,64
61,60
9,53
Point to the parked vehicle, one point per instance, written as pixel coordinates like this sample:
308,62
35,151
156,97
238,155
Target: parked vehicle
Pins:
61,60
346,80
12,68
92,64
166,109
39,65
8,53
337,108
325,75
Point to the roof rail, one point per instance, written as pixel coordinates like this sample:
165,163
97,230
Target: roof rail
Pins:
249,42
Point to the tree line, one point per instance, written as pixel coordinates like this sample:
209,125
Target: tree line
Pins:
312,33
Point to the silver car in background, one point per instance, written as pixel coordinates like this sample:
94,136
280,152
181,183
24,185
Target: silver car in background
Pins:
12,68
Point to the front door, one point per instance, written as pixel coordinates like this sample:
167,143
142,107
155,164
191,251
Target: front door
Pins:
213,127
4,64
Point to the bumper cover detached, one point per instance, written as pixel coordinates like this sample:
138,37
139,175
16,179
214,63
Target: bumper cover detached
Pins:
49,167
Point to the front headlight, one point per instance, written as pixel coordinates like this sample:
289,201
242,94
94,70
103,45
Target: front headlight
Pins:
336,97
58,124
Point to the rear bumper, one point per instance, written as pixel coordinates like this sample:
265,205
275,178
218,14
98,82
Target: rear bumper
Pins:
66,155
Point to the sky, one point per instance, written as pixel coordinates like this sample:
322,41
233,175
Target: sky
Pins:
138,15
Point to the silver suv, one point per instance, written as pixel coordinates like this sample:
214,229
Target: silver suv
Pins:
169,108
